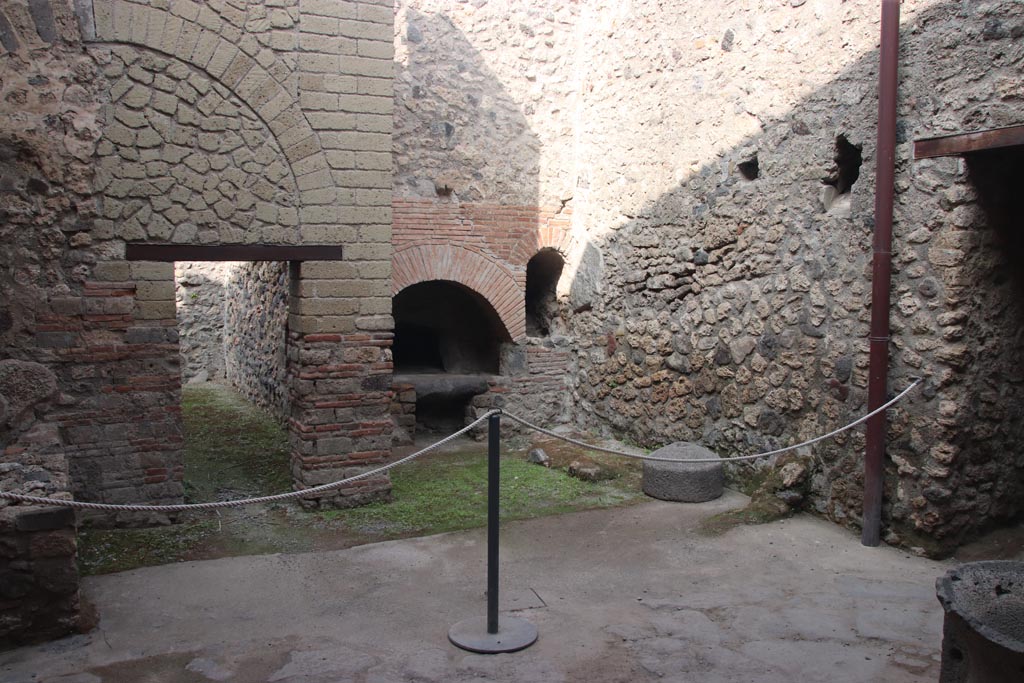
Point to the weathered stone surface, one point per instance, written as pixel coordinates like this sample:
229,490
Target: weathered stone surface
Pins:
682,482
538,457
24,384
587,469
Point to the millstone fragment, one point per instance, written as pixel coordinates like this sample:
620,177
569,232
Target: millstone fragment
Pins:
681,481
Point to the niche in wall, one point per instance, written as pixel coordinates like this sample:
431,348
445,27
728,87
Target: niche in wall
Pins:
542,273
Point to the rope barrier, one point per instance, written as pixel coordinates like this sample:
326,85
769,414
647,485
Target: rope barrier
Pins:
82,505
738,458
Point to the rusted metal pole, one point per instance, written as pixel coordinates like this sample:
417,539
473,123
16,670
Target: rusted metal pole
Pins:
881,275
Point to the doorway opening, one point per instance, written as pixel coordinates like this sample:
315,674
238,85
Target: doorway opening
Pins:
232,331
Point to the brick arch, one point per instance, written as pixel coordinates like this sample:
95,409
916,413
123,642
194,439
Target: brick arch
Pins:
188,31
423,262
552,233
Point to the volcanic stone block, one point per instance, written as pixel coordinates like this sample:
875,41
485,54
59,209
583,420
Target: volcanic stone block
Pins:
681,481
983,631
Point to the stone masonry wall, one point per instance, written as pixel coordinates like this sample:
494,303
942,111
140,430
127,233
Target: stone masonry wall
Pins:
108,342
255,334
183,122
735,310
717,283
257,123
48,127
484,104
958,295
199,300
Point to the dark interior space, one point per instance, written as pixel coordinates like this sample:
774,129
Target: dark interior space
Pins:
542,273
997,176
848,159
445,327
447,342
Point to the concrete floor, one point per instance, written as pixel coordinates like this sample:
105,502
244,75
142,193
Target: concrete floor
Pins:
628,594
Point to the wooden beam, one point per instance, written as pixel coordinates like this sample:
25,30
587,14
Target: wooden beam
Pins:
966,143
231,252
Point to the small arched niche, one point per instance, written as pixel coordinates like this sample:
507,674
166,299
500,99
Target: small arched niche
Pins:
542,273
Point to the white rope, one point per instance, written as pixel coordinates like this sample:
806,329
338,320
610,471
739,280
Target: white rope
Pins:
81,505
739,458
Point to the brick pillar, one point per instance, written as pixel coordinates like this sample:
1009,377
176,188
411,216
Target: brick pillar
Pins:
116,351
339,322
339,370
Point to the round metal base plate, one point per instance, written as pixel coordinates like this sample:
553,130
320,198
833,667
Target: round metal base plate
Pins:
513,634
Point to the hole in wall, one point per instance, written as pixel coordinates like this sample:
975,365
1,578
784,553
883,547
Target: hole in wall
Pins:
749,169
848,159
542,273
845,172
441,415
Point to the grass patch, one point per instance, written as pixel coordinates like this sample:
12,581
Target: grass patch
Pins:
233,450
103,551
448,492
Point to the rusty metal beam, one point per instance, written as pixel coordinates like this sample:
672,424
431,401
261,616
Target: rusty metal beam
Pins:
231,252
966,143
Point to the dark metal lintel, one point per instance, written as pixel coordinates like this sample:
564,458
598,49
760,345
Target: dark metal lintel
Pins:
231,252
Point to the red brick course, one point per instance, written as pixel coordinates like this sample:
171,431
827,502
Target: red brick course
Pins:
483,246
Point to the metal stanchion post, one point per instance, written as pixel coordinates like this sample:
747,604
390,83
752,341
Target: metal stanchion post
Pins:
494,633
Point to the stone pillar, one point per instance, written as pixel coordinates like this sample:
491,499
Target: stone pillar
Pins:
123,435
339,371
39,597
339,322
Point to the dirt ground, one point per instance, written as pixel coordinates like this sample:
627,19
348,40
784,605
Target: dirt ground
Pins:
633,593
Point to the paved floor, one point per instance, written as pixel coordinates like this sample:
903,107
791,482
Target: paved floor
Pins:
618,595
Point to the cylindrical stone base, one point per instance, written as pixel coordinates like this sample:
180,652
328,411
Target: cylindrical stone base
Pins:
681,481
983,632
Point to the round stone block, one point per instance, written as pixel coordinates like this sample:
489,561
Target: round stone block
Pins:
681,481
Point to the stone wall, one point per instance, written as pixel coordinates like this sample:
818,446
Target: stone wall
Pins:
255,334
532,383
483,163
39,585
736,309
719,163
199,300
172,121
258,124
958,292
48,127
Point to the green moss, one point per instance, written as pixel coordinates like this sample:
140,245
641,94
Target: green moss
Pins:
449,491
763,487
231,447
757,512
102,551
